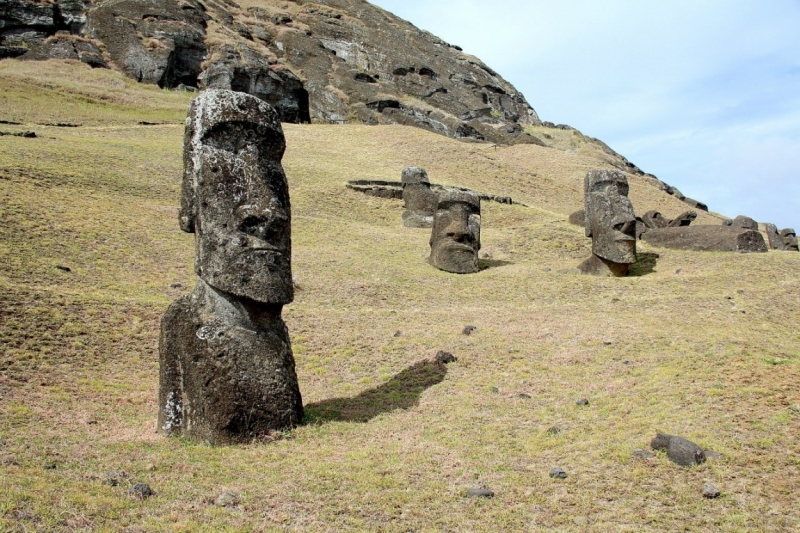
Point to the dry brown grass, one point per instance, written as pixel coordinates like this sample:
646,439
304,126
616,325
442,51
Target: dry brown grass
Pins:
703,345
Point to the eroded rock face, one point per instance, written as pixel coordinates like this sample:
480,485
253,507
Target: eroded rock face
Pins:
153,41
419,200
610,222
227,370
456,234
707,238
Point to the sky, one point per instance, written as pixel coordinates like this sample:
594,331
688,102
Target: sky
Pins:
704,94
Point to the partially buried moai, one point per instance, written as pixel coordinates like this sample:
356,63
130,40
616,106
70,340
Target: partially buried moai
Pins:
456,234
789,239
610,222
227,372
418,198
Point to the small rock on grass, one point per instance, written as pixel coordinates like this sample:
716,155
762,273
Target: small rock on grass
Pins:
141,491
227,499
558,473
468,330
115,477
582,402
710,491
478,492
525,396
679,450
555,430
444,358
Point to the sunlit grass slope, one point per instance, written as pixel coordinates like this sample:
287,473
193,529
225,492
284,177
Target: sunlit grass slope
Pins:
704,345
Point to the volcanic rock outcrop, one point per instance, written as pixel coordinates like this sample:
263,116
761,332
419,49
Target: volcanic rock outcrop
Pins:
227,373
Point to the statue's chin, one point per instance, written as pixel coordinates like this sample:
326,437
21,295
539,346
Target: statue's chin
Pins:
456,257
623,253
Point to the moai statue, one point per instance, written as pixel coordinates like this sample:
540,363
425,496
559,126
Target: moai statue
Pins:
774,238
227,372
745,222
789,240
456,234
419,199
683,220
655,220
610,223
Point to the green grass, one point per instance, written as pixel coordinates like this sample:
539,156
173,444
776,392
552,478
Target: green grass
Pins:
391,443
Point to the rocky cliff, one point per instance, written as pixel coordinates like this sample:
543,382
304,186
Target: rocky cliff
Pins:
329,61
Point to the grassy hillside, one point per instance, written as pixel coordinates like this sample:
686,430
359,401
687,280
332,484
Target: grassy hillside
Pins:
703,345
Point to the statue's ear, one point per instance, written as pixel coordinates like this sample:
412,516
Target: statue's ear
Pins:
188,212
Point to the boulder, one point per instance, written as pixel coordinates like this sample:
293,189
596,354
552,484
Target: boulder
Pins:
679,450
707,238
744,222
682,220
654,220
774,238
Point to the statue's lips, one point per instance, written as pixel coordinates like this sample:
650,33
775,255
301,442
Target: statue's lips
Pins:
456,246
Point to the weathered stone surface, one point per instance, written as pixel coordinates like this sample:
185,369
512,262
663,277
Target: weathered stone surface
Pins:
774,239
610,222
654,220
419,200
697,205
675,192
679,450
153,41
744,222
227,371
141,491
67,47
710,491
578,218
558,473
789,239
707,238
456,234
683,220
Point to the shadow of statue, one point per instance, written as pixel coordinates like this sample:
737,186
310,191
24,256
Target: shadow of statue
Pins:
484,264
400,392
645,264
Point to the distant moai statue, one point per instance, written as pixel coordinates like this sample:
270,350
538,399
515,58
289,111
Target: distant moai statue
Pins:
456,234
418,198
227,372
610,222
789,240
774,238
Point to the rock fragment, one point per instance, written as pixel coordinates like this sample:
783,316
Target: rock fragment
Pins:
679,450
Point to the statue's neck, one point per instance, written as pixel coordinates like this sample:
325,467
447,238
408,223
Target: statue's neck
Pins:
235,310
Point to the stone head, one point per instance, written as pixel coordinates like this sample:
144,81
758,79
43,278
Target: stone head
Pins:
235,196
418,198
456,234
610,220
789,239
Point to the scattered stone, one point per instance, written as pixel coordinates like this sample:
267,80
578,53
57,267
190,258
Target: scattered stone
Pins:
456,234
679,450
525,396
710,491
397,333
227,499
643,454
468,330
175,285
63,268
684,219
789,240
141,491
610,222
578,218
480,493
582,402
654,220
554,430
115,477
444,358
50,466
227,373
419,200
678,271
558,473
495,390
608,342
708,239
745,222
774,239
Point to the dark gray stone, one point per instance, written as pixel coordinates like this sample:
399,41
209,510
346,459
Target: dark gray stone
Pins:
679,450
707,238
745,222
419,200
675,192
558,473
227,373
697,205
141,491
710,491
456,234
774,238
468,330
683,220
654,220
479,492
554,430
582,402
789,239
610,222
444,358
115,477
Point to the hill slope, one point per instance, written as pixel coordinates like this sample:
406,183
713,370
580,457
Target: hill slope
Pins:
702,345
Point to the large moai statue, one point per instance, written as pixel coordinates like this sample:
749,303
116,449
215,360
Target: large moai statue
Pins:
418,198
610,222
227,372
789,240
456,234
